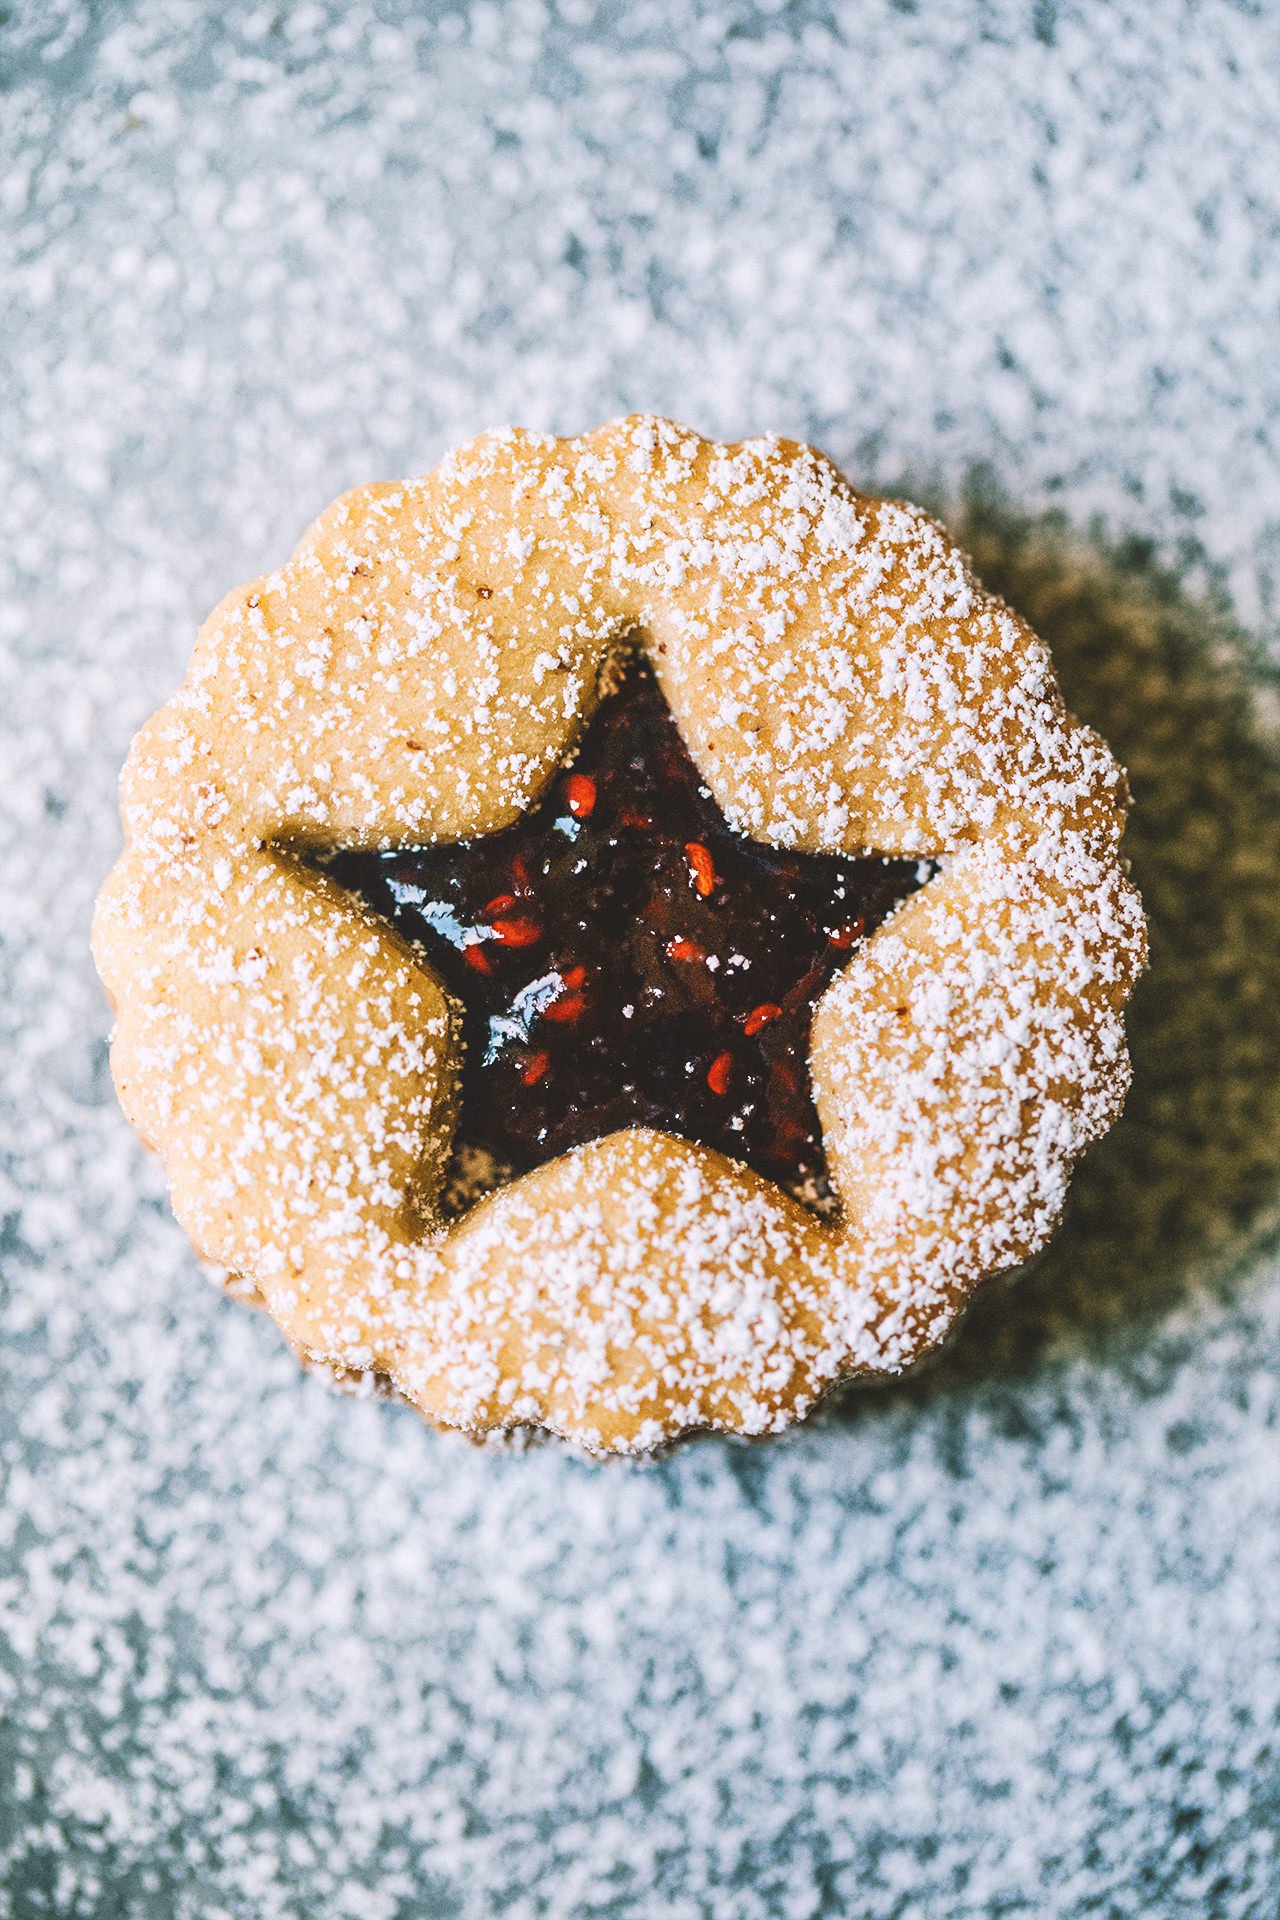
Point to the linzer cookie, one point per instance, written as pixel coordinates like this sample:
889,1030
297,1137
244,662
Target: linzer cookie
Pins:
618,936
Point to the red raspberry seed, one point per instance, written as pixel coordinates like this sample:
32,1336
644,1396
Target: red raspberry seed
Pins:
760,1017
570,1006
702,868
535,1069
517,931
580,792
720,1073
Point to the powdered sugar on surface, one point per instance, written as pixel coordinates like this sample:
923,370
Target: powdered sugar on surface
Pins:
999,1638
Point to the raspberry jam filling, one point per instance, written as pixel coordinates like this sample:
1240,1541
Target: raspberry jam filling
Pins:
624,958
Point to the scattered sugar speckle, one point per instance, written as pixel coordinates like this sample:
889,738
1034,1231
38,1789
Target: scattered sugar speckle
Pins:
1001,1640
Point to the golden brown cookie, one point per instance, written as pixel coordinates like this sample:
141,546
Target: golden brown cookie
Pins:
420,672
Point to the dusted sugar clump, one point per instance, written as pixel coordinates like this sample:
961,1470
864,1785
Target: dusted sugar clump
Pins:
625,958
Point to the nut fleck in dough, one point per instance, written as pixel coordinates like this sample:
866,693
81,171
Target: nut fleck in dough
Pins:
418,672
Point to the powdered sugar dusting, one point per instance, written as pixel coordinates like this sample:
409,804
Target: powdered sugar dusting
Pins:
1000,1639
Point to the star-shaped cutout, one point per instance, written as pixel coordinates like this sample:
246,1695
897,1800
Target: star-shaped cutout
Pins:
624,957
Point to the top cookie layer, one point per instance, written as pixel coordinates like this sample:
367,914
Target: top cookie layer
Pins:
418,672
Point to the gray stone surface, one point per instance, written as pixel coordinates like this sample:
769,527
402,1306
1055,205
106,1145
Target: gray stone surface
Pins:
999,1641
